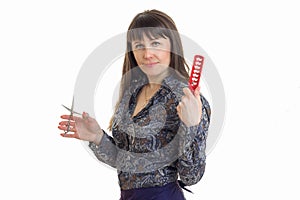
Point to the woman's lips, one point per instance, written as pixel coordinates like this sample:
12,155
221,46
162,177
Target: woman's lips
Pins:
150,64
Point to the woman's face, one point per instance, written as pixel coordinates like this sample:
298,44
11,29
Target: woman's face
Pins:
152,56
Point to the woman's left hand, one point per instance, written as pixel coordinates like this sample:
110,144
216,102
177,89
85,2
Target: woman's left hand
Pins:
189,109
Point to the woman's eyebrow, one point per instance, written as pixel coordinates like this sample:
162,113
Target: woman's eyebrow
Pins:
150,39
136,42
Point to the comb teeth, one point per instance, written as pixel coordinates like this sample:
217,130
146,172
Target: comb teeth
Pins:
196,72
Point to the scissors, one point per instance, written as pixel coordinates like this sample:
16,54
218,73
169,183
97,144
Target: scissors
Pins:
71,115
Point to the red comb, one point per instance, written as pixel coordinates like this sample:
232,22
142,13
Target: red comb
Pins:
196,72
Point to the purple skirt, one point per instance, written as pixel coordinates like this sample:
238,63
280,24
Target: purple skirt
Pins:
169,191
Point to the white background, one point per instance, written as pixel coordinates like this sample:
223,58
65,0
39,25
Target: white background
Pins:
254,45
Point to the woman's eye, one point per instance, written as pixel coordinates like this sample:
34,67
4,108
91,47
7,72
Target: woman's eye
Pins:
155,44
139,46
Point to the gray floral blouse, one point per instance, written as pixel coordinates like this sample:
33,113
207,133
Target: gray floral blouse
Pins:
153,147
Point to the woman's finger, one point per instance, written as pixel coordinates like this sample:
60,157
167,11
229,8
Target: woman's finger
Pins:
184,100
67,117
187,92
68,135
71,123
178,108
197,92
85,115
67,128
63,128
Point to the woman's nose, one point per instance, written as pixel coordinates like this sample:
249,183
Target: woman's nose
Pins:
148,52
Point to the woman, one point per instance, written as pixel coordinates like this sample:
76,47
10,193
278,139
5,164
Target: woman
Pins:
159,126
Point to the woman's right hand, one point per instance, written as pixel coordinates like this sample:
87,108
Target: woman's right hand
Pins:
83,128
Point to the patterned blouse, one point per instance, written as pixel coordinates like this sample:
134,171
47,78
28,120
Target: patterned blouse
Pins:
153,147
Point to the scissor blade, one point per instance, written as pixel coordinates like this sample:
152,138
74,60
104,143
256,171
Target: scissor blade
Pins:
70,110
72,107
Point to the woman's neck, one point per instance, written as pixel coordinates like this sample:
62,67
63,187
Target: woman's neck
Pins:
155,80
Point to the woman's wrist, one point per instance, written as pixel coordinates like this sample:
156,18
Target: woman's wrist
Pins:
98,137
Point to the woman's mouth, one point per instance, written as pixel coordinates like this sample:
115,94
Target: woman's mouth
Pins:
150,64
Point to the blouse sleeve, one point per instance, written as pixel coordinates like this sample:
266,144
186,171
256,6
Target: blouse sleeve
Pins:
106,151
192,157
